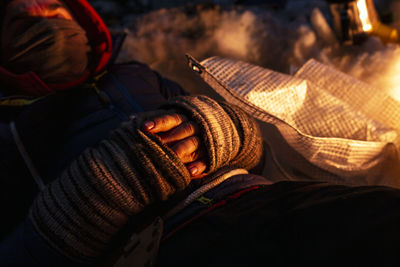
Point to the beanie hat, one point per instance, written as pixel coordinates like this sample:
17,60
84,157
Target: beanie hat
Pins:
56,49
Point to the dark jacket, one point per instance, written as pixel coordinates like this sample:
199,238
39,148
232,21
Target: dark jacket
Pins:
120,177
284,224
289,224
57,128
55,123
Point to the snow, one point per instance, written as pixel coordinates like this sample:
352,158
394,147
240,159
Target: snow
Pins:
280,39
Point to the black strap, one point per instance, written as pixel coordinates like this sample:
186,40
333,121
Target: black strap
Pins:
27,159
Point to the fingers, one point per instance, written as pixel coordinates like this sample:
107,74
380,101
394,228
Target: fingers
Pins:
192,154
197,168
180,135
186,149
163,123
184,130
195,155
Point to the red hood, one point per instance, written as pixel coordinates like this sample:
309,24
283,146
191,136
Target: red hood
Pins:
29,84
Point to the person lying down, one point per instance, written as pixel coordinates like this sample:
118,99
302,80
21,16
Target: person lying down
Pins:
190,144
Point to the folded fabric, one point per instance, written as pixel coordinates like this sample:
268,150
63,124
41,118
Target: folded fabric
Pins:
331,126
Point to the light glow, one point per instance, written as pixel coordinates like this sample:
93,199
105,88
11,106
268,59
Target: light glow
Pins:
364,16
394,81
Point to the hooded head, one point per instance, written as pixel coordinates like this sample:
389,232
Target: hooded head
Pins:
42,36
54,44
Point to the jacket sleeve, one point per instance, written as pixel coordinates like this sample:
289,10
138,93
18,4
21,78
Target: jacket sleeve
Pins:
79,213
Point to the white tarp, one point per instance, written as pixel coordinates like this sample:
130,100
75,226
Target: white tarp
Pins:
347,130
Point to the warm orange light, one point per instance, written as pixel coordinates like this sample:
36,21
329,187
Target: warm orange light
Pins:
364,16
40,8
45,11
394,84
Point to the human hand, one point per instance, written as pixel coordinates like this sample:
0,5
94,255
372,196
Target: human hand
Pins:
180,135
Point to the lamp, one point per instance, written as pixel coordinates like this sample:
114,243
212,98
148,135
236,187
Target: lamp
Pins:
354,20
